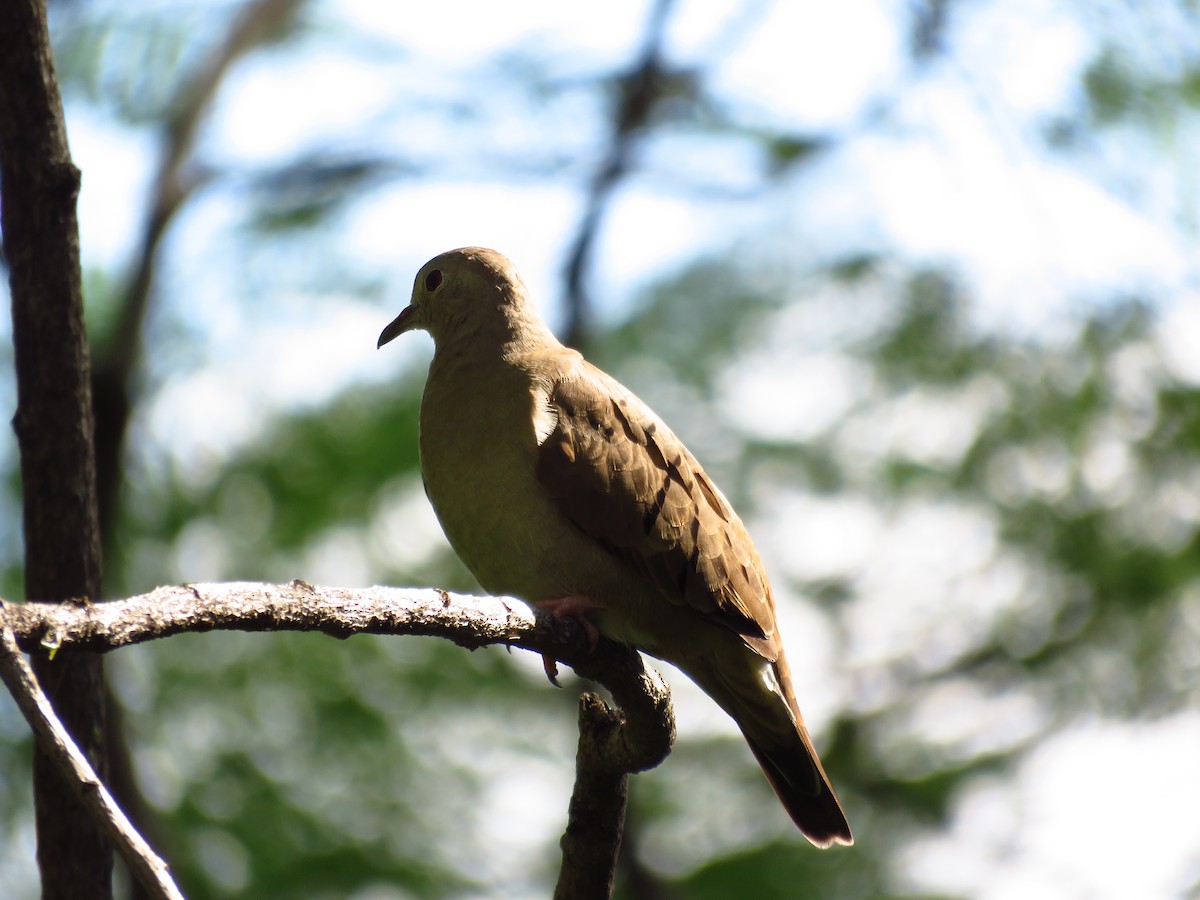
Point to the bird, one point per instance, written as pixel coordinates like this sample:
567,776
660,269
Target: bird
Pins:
555,484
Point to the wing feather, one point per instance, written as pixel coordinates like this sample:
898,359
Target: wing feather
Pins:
622,477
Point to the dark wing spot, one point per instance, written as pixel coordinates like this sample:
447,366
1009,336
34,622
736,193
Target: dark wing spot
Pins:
710,494
656,508
634,431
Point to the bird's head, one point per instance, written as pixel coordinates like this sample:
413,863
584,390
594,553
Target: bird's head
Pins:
463,291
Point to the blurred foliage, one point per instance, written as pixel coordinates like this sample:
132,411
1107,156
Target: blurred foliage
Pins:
316,471
293,765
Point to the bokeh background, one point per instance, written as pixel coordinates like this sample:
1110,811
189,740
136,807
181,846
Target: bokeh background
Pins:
918,283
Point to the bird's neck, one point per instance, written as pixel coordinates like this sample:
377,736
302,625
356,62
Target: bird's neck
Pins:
506,336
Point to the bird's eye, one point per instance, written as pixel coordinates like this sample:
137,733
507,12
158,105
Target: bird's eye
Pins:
433,280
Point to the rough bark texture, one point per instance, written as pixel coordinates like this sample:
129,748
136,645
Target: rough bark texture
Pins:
596,816
38,188
612,742
646,730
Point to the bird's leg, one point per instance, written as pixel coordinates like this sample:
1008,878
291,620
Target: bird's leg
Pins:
574,606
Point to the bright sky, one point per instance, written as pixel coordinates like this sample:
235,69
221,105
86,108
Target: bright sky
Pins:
956,178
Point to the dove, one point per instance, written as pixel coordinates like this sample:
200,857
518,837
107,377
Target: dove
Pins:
556,485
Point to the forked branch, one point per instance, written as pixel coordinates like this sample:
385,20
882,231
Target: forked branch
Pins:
634,736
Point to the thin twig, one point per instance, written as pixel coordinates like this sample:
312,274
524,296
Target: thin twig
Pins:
150,871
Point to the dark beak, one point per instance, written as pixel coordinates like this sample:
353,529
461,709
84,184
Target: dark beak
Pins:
397,326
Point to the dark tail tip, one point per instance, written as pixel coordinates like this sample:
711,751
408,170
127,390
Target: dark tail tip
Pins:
801,786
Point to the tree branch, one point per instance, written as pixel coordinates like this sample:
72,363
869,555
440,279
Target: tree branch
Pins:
639,91
54,740
612,743
596,816
177,176
38,188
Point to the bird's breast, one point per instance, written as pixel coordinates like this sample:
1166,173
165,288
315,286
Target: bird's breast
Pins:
478,459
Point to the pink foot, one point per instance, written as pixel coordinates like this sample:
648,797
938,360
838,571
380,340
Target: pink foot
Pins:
574,606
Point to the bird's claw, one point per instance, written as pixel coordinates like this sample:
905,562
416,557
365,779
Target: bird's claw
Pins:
574,607
550,664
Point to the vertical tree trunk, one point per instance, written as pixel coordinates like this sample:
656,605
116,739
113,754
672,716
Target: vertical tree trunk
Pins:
38,189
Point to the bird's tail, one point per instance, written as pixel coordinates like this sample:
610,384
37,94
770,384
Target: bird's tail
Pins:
770,720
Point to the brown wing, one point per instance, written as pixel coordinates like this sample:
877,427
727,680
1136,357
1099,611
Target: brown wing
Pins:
621,476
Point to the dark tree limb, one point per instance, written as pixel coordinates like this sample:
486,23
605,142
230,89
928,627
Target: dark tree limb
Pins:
150,871
175,180
639,91
613,742
38,189
596,816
